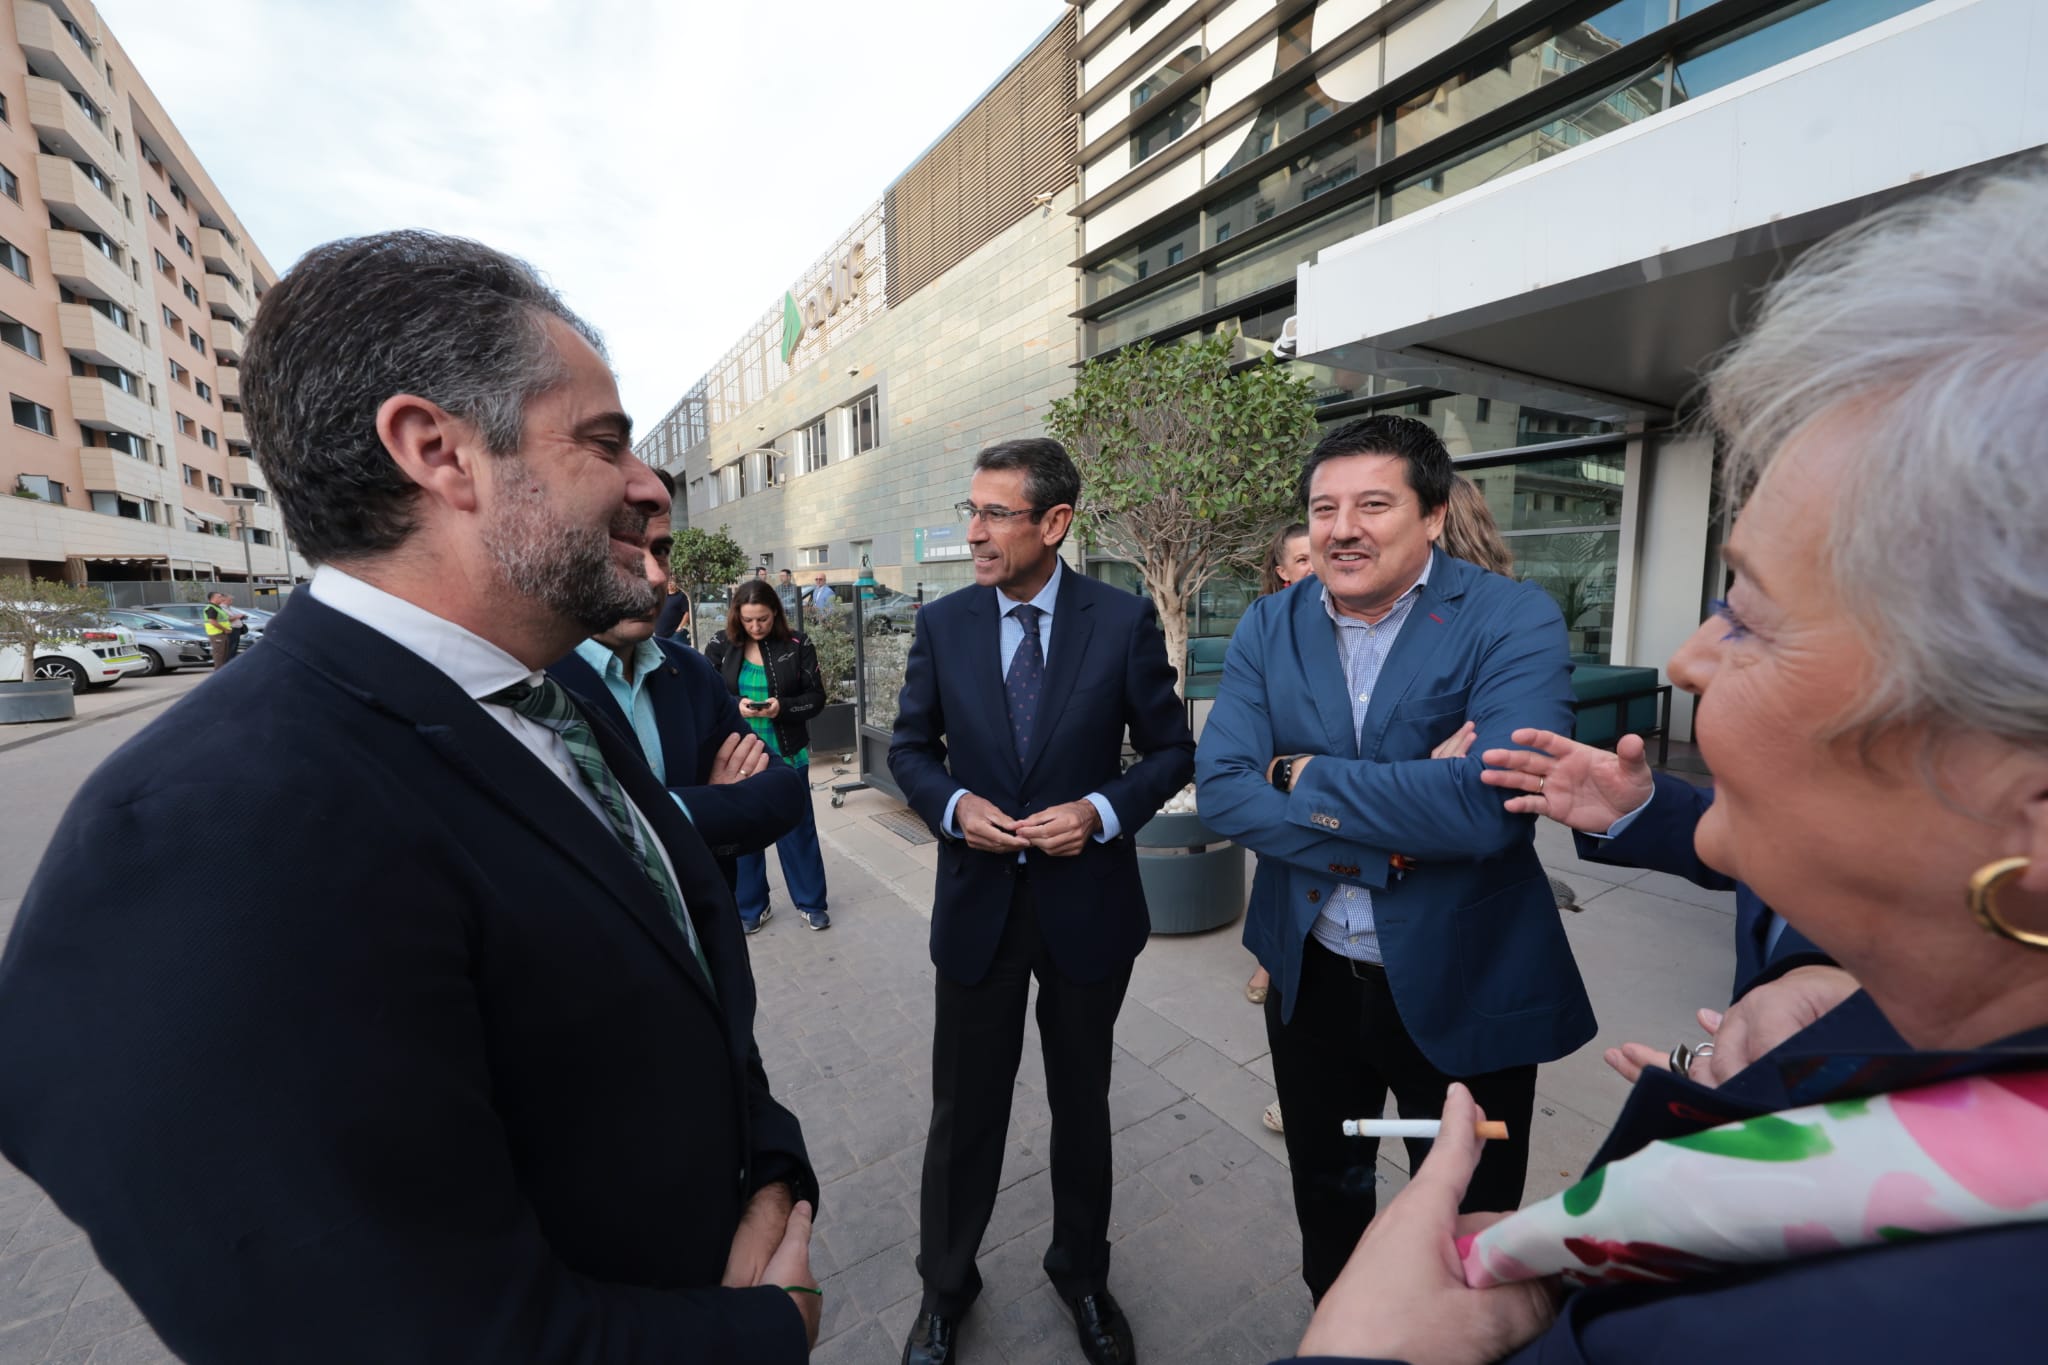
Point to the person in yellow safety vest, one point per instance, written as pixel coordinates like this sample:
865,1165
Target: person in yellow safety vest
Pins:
220,626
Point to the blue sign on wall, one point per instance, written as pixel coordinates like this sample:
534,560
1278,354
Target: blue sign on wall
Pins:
935,543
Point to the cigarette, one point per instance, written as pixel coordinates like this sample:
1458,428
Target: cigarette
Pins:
1419,1128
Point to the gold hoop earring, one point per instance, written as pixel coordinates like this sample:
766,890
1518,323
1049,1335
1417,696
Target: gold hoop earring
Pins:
1984,887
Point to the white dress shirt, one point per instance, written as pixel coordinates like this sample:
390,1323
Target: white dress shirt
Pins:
480,669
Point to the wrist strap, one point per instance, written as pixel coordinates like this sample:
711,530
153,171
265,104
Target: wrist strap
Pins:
802,1289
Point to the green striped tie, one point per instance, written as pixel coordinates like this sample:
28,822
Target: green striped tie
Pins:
548,704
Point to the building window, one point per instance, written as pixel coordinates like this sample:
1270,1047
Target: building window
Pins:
1169,127
205,390
729,485
1155,84
171,319
34,416
184,242
191,294
156,211
214,485
178,193
12,257
865,429
811,556
4,118
259,535
40,486
252,493
198,342
180,375
10,184
187,427
114,505
21,337
811,453
126,444
164,267
191,476
211,442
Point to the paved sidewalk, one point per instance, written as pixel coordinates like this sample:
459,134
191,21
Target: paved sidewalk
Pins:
1206,1257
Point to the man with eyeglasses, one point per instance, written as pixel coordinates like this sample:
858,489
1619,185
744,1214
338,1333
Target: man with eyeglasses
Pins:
1009,739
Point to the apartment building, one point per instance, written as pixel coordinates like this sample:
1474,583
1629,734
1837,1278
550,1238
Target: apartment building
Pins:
127,285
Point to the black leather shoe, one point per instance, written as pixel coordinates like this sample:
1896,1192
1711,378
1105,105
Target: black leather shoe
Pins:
931,1341
1105,1332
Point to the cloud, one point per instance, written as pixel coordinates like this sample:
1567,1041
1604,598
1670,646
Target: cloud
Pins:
672,168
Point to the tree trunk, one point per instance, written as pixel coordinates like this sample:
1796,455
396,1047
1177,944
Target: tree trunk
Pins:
1172,605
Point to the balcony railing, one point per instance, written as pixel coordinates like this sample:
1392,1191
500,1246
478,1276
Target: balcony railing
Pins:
84,269
73,197
91,335
96,403
62,124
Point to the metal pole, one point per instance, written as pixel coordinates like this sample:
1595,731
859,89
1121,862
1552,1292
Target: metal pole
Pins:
248,560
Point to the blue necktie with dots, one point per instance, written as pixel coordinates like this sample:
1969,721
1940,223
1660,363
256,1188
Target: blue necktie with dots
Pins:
1026,679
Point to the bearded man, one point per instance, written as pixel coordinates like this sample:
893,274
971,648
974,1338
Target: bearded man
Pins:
467,1072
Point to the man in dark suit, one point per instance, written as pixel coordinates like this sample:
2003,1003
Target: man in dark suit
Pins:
671,700
468,1073
1409,928
1009,735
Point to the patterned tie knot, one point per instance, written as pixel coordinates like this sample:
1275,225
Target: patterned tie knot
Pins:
1027,617
546,702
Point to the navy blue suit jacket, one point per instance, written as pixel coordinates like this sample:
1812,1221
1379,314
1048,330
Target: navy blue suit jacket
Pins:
695,712
1967,1296
432,1076
1475,955
1106,673
1660,839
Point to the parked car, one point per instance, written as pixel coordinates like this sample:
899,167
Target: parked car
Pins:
888,611
167,644
96,656
195,612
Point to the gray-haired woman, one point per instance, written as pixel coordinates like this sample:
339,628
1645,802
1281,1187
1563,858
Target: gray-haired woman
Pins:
1873,698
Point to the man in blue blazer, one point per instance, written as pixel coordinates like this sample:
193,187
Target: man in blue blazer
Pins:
1408,926
671,700
466,1069
1009,742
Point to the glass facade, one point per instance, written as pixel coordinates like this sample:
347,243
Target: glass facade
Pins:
1561,518
1312,174
1619,105
1772,39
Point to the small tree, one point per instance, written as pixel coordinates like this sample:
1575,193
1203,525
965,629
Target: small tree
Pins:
700,557
1187,468
32,611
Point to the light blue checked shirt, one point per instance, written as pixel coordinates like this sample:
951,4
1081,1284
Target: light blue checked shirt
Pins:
1346,925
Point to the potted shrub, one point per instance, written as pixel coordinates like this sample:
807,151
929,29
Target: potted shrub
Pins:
33,612
1189,462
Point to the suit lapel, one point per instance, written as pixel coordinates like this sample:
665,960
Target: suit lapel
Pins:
984,645
1315,642
1422,635
352,655
1073,623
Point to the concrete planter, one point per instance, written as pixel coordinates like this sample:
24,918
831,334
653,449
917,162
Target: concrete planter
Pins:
1193,876
44,699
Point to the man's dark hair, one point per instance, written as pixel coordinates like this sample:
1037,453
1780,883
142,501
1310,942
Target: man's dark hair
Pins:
1049,474
1429,464
359,320
668,483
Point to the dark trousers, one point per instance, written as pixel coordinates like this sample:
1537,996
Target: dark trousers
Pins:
1336,1060
803,866
221,645
977,1040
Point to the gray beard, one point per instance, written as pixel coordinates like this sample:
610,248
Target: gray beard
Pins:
568,569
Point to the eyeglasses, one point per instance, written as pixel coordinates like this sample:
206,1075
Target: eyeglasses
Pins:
996,516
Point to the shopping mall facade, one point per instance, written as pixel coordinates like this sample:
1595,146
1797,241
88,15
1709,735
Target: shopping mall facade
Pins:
1529,224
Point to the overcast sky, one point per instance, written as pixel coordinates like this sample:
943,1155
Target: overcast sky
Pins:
672,165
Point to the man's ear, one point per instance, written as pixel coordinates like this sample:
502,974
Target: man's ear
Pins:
1056,523
435,449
